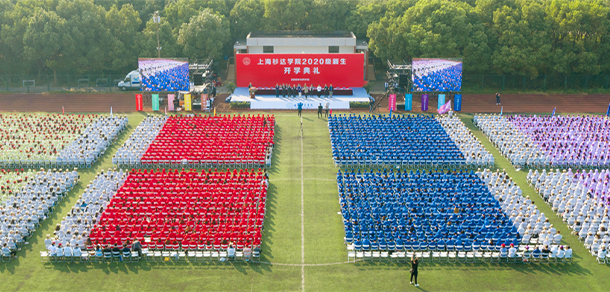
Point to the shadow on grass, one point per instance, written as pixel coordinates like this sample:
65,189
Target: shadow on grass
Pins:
115,267
554,269
277,150
268,227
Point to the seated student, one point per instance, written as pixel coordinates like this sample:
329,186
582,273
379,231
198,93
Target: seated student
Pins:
560,252
231,251
52,249
568,253
8,252
536,252
247,253
77,252
601,253
545,250
116,250
503,250
60,251
126,250
67,250
98,251
512,251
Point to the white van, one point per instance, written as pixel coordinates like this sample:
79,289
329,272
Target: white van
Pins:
131,81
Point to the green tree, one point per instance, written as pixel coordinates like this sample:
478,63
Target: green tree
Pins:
203,36
331,15
246,16
123,25
579,32
44,41
167,40
523,44
85,23
363,15
14,24
439,28
287,14
181,11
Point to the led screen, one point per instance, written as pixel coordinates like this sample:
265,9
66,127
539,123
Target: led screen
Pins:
440,75
164,74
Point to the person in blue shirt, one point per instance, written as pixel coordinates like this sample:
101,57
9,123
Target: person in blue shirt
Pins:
299,108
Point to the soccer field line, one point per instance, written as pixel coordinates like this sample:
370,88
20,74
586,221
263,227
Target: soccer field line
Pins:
307,178
302,214
303,265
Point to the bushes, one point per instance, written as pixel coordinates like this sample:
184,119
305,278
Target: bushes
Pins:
239,105
359,104
231,86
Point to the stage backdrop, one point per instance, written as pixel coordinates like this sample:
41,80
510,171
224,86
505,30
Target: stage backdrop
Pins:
265,70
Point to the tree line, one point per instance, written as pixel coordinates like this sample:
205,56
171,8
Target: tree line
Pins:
515,37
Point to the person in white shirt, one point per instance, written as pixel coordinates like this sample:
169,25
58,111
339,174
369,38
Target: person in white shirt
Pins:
67,250
48,241
77,252
512,251
557,237
601,253
560,252
52,249
568,253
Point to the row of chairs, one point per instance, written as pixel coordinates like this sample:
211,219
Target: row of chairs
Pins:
454,257
167,163
410,164
149,256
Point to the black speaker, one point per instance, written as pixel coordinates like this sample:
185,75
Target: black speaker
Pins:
197,79
404,80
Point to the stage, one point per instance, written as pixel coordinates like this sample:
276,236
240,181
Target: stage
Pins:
272,102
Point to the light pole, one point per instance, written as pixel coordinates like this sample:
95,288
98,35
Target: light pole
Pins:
157,20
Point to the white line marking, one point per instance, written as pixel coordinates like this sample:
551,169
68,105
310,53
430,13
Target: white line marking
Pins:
302,215
307,178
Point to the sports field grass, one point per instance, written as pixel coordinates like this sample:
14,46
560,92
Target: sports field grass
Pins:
301,226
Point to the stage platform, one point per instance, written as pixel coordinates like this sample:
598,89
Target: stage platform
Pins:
272,102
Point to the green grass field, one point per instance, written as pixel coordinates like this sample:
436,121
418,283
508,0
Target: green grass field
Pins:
302,243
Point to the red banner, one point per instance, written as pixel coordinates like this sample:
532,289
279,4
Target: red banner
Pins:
139,102
265,70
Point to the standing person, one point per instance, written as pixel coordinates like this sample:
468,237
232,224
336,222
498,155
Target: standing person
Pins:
137,246
300,108
290,91
330,91
250,85
284,90
414,264
176,104
497,98
320,111
386,85
327,108
319,90
277,90
299,89
325,90
311,89
306,90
